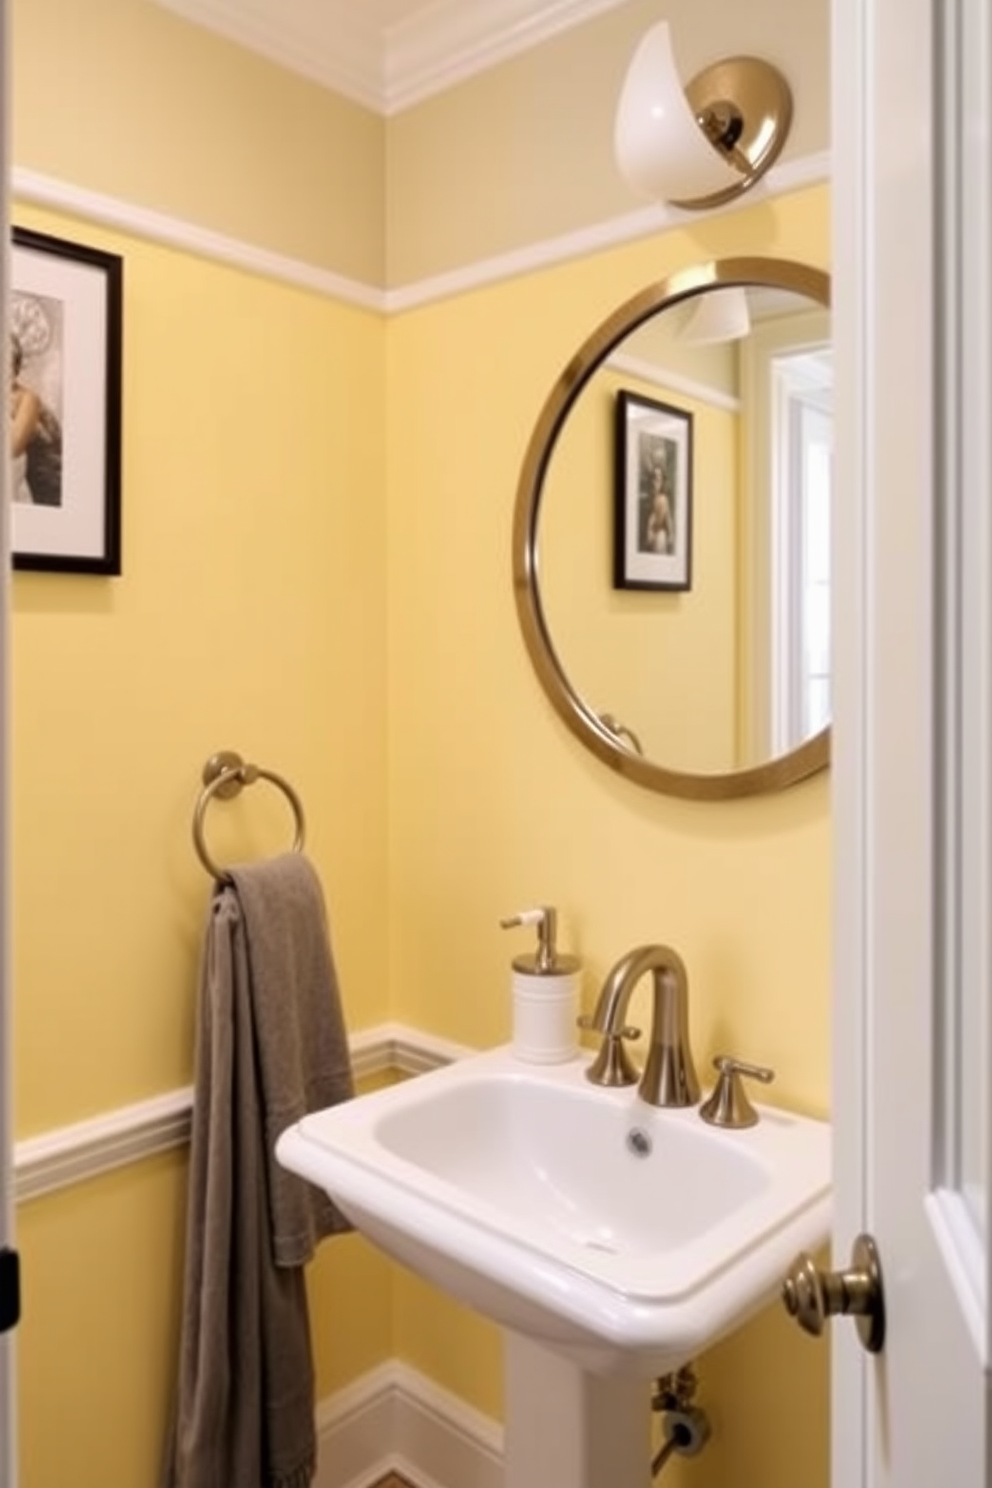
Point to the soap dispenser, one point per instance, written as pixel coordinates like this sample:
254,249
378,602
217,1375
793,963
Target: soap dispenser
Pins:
545,990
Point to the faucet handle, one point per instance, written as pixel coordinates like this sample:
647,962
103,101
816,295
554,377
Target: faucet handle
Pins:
612,1065
587,1022
728,1105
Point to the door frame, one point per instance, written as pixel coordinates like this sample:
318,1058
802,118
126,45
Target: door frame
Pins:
912,782
849,763
8,1426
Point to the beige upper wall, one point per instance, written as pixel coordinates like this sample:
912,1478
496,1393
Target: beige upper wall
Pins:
227,140
524,152
215,134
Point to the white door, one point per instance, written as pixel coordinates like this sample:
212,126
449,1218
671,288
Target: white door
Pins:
8,1444
912,777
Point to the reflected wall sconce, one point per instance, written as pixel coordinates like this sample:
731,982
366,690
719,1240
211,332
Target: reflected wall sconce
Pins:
719,315
701,144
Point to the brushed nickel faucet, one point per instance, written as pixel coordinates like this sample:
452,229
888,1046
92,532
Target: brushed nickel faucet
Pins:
669,1077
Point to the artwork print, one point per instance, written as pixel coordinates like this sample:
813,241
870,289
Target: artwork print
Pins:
36,399
653,495
64,405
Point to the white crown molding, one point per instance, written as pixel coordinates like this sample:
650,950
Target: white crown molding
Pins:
71,1154
388,68
450,41
30,188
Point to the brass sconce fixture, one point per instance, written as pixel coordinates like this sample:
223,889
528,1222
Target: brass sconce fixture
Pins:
702,144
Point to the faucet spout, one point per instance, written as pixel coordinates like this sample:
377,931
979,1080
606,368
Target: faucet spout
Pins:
669,1077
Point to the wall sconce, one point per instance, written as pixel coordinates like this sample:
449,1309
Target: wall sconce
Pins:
703,144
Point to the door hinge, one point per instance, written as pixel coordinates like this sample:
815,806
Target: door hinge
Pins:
10,1289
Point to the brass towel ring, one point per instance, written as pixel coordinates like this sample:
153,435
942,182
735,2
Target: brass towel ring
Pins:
224,775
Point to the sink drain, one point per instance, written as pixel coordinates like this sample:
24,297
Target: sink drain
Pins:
638,1142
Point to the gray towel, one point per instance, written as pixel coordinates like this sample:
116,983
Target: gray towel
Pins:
271,1046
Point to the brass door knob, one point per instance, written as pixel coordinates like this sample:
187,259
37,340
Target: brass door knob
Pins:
812,1296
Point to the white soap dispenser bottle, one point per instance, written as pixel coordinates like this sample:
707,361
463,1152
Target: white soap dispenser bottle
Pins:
545,989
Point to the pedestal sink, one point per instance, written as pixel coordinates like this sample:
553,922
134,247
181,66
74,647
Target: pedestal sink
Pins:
613,1241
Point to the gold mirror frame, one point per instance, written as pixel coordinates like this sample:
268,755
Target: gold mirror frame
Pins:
773,775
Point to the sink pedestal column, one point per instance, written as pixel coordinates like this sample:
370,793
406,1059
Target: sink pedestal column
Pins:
565,1426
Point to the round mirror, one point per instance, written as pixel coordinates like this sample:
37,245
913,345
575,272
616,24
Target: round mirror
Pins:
671,554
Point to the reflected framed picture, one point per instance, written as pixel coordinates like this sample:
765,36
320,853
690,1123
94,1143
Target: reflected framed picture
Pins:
65,405
652,528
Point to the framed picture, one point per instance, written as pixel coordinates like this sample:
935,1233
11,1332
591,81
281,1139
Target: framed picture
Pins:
65,405
652,530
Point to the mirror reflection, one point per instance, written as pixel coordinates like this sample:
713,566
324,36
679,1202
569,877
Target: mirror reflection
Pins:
697,638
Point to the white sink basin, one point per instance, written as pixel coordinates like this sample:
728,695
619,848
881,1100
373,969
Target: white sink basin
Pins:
625,1237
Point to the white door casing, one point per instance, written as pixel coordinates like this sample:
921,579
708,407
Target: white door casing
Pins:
8,1442
912,783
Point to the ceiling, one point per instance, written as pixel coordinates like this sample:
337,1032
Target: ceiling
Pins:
388,54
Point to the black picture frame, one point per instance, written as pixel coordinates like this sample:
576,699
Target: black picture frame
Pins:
66,330
652,530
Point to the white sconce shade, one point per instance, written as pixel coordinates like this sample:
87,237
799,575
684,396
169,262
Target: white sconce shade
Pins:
661,150
701,144
717,315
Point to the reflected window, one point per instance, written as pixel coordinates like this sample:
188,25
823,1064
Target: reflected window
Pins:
787,471
802,439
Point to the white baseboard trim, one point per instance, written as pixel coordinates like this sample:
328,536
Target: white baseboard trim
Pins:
394,1419
70,1154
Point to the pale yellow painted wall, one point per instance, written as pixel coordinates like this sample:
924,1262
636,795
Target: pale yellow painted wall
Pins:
101,1266
492,803
97,1347
124,98
250,615
253,613
495,806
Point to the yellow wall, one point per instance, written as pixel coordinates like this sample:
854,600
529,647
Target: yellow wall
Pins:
494,805
250,615
317,518
102,1265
